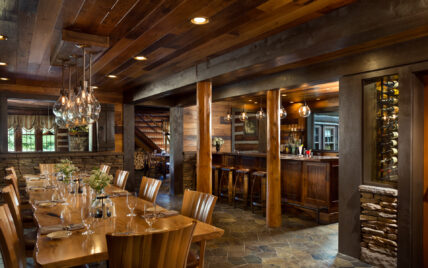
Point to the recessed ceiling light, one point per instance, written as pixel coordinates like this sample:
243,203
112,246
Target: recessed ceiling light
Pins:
250,100
94,87
140,58
3,37
3,63
200,20
255,102
291,101
284,95
318,99
112,76
4,78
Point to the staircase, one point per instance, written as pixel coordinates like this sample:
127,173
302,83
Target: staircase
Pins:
149,129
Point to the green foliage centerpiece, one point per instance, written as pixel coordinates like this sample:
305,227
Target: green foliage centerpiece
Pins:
218,142
67,168
102,205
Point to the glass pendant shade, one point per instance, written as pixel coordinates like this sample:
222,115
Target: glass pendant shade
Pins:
304,111
282,113
260,114
243,116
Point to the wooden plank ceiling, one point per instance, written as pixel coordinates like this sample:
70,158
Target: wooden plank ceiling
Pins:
157,29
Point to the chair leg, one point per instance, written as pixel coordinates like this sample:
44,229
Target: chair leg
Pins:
202,245
230,187
251,194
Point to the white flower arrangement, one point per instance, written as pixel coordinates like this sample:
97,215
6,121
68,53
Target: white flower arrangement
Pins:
218,141
98,180
67,168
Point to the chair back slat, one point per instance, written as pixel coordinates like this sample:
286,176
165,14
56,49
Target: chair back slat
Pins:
105,168
47,168
149,189
12,250
157,250
121,178
197,205
12,179
9,196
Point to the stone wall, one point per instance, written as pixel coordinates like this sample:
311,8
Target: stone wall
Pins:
189,170
28,163
378,226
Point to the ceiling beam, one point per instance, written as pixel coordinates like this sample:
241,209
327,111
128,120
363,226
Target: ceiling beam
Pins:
85,38
350,30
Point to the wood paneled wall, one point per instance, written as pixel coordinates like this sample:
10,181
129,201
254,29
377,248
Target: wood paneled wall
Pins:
219,127
425,239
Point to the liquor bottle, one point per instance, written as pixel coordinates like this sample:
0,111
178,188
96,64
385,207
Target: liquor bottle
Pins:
391,126
390,143
391,91
390,152
390,135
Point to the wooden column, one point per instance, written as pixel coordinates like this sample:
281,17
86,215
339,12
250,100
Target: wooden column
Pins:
273,164
129,145
204,147
176,150
3,123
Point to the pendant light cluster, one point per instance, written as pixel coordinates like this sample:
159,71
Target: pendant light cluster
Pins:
304,111
77,106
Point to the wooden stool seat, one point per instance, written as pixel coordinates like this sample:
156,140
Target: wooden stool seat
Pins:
226,183
240,189
258,190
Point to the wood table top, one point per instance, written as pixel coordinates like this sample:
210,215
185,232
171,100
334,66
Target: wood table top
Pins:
79,249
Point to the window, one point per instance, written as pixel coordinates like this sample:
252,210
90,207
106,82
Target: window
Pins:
28,140
48,142
326,132
11,139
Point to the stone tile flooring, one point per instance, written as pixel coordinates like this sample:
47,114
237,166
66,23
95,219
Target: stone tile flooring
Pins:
247,242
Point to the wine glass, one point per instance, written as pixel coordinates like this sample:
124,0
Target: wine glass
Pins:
87,220
150,216
131,201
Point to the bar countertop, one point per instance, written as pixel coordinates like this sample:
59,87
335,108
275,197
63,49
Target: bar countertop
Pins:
283,156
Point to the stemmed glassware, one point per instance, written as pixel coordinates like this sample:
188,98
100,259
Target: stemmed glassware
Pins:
150,216
87,219
131,201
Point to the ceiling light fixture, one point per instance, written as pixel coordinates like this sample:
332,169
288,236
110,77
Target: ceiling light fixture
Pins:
3,63
304,111
200,20
284,95
3,37
94,87
4,78
112,76
140,58
318,99
291,102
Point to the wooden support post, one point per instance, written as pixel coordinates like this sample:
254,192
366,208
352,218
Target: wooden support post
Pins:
176,150
204,148
273,202
129,145
3,123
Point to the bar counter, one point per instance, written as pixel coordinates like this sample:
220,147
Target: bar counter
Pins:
307,184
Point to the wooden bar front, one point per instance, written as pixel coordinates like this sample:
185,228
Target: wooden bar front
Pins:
307,184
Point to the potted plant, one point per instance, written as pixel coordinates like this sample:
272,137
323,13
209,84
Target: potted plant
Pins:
66,168
218,142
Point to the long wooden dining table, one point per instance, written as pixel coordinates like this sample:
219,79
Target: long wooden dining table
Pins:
80,249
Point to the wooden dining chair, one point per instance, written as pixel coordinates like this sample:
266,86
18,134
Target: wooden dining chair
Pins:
152,250
199,206
105,168
47,168
149,189
9,196
11,179
12,249
121,178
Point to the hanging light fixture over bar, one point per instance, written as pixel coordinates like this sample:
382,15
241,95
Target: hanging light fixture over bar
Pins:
304,111
260,114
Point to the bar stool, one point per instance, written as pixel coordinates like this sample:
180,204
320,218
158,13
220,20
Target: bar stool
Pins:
215,179
240,189
226,183
258,190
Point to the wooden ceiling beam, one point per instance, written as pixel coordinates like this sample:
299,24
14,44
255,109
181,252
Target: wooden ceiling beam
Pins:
47,15
85,38
324,39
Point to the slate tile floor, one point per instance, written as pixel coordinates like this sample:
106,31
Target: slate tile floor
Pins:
247,242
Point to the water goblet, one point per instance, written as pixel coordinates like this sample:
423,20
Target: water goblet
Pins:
131,201
87,220
150,216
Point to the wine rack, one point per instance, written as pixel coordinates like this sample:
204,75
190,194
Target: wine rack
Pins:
387,112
